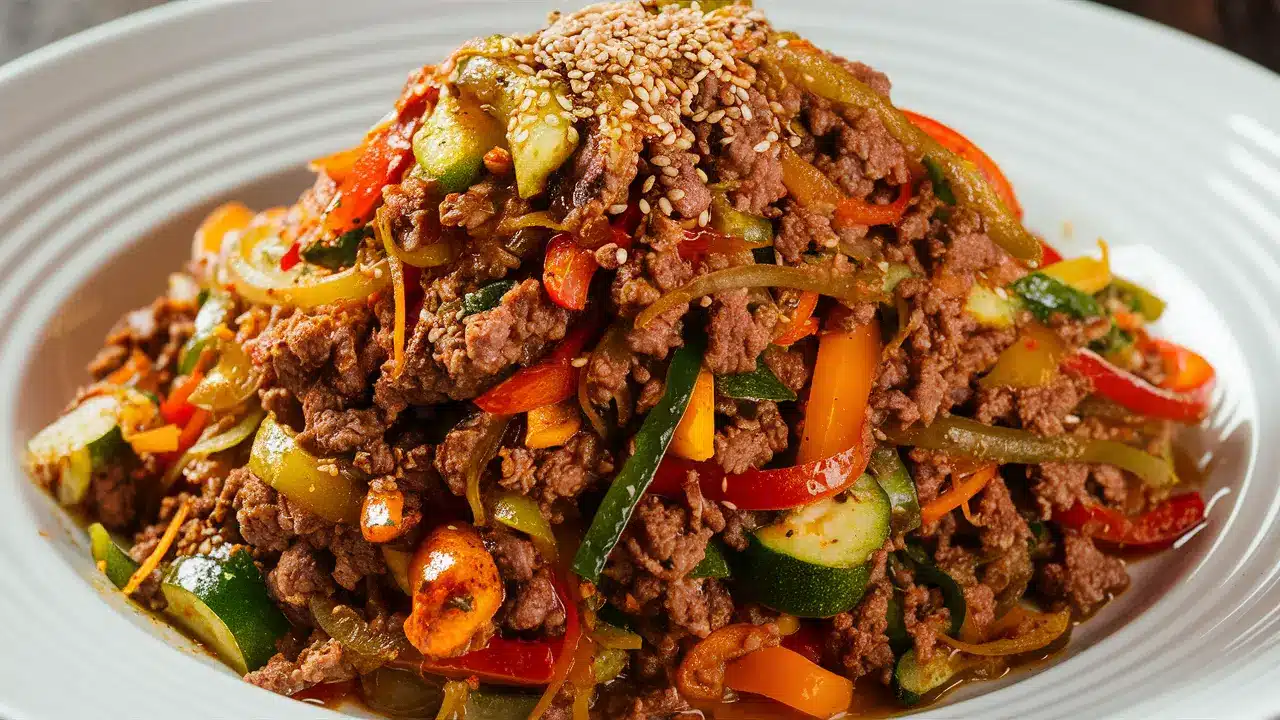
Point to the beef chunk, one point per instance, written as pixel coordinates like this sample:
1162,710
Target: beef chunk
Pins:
322,662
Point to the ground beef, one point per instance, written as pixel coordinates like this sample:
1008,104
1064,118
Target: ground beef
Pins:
337,432
753,436
667,539
322,662
799,228
298,576
757,173
531,602
113,495
737,333
554,473
687,193
1042,409
354,557
158,331
470,209
411,209
601,175
1085,577
455,455
518,331
858,637
698,605
1058,485
267,520
789,365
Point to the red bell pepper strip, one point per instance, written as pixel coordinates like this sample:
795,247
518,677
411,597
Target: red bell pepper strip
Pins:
962,146
291,257
1159,526
545,383
567,270
1048,254
777,489
387,154
807,641
1136,394
176,408
697,244
851,211
516,662
1185,370
802,323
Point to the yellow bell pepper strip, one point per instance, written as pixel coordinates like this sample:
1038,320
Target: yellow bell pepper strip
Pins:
853,288
842,377
1041,629
456,590
791,679
805,67
962,489
701,675
1087,274
163,439
583,679
324,487
552,425
492,428
521,513
382,515
637,472
228,218
1142,300
1031,361
969,438
695,435
454,707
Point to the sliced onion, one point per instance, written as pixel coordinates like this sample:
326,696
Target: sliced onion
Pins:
541,218
253,270
369,648
401,693
230,382
207,446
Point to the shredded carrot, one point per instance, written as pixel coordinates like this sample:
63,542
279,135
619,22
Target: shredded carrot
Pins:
158,440
958,495
132,370
152,562
397,284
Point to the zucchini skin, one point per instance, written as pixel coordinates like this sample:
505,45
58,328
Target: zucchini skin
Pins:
796,587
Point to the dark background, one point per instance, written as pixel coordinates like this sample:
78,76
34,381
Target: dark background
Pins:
1249,27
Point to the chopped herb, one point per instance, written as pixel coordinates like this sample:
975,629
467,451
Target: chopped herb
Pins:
1045,296
759,385
338,253
460,602
486,298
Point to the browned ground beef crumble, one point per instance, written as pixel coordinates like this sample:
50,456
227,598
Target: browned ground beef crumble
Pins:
326,372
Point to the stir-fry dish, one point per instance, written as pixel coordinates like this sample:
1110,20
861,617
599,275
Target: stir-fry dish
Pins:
654,363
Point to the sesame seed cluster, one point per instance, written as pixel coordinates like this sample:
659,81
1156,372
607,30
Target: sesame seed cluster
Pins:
633,69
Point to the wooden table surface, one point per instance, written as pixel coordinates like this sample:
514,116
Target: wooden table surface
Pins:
1249,27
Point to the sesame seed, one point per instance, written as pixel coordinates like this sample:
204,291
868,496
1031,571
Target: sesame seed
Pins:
665,205
794,141
552,119
660,160
746,112
669,138
704,217
676,195
702,115
617,209
526,104
544,99
705,301
621,255
715,117
771,137
644,206
727,139
670,171
655,119
578,362
701,175
762,146
648,183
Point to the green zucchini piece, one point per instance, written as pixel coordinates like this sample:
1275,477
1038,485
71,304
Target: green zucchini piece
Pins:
114,562
838,532
992,308
759,385
542,136
726,219
712,565
1044,296
888,470
926,573
797,587
340,252
215,311
488,704
451,144
913,680
485,298
223,602
72,447
896,630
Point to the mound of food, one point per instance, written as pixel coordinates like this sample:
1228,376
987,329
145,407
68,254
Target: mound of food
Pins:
651,362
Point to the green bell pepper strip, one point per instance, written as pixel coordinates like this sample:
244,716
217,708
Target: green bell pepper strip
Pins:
485,704
340,252
755,230
926,573
521,513
887,468
941,187
759,385
216,311
1142,300
712,565
485,298
1044,296
816,73
614,637
609,664
970,438
637,472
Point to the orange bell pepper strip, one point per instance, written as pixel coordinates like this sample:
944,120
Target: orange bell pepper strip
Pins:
176,408
385,156
567,269
164,439
552,425
792,679
697,244
339,165
812,189
695,436
962,146
382,515
224,219
959,494
1185,370
548,382
842,377
701,674
802,323
851,211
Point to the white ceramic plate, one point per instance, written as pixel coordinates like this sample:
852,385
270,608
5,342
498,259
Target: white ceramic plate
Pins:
114,142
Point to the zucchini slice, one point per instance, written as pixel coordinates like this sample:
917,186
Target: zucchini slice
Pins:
114,562
76,444
796,587
838,532
887,467
451,145
223,602
913,680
